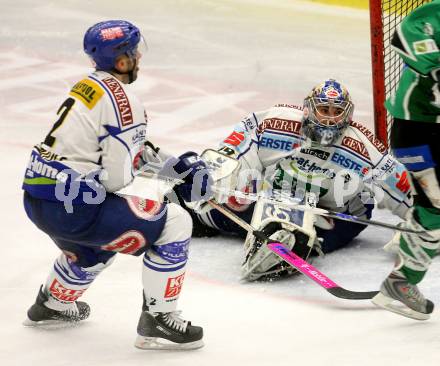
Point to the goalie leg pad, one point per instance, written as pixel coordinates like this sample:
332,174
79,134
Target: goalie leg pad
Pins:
286,225
262,263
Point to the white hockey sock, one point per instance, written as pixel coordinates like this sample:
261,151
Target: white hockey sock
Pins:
67,282
162,289
165,261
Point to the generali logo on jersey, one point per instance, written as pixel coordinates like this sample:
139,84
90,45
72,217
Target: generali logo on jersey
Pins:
174,286
278,124
370,136
356,146
122,102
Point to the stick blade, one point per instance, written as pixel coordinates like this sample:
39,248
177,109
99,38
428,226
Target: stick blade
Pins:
352,295
318,277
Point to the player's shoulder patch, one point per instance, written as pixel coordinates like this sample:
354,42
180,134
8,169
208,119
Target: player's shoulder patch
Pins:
88,92
370,136
425,46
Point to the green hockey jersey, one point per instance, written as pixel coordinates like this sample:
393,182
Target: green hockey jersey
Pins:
417,40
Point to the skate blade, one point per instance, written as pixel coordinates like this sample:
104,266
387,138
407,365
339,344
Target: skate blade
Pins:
386,303
155,343
49,324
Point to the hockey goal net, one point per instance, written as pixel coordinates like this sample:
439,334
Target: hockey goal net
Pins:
385,16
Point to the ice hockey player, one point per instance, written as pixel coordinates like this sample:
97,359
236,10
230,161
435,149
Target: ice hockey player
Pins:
415,137
95,148
314,150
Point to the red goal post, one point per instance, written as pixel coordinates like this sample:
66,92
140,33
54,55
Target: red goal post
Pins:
385,16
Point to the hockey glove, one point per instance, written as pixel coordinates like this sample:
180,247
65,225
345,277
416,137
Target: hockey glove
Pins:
190,169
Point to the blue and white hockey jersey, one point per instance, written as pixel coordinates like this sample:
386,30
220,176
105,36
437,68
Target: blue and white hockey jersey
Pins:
94,145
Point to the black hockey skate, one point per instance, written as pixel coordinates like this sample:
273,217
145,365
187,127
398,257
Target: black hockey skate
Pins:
167,331
39,314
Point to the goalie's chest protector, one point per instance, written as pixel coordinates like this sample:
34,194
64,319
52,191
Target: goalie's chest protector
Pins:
334,173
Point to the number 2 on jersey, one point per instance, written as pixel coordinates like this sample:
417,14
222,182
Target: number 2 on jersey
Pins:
64,110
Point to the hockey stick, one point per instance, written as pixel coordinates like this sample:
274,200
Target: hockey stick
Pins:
297,262
287,201
224,166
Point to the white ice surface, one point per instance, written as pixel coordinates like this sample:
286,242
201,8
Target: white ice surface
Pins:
209,64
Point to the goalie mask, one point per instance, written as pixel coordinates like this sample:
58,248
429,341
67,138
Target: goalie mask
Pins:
328,110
